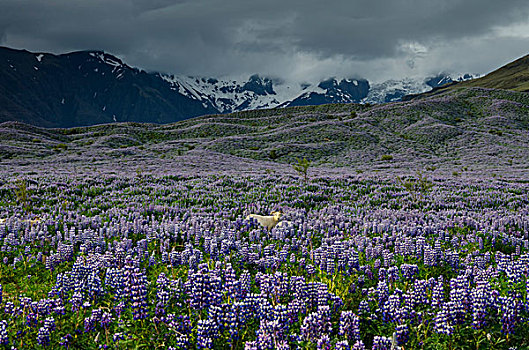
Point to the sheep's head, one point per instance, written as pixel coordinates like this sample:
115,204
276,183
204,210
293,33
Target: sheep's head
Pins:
276,215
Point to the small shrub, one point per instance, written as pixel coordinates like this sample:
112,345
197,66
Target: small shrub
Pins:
386,157
419,186
21,193
302,168
60,147
496,132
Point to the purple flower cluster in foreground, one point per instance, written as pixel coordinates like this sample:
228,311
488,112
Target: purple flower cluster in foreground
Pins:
361,265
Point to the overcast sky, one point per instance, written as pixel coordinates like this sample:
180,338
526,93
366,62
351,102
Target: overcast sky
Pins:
300,40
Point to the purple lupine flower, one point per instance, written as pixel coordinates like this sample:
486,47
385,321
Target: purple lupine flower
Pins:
363,308
381,343
118,336
9,308
323,343
481,298
349,326
459,299
207,330
442,322
106,319
89,324
4,338
391,309
418,295
438,294
49,323
65,340
510,308
342,345
119,308
270,334
181,342
402,334
382,293
31,319
135,291
43,336
358,345
76,301
316,323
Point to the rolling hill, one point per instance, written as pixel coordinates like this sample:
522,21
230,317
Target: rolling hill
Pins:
462,130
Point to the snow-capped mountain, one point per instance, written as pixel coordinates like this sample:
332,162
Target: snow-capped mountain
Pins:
444,78
93,87
230,95
394,90
258,92
261,92
333,91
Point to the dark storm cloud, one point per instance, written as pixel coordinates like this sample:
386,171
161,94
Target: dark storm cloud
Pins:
297,38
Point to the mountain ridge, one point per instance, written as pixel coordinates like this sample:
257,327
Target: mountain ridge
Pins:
85,88
94,87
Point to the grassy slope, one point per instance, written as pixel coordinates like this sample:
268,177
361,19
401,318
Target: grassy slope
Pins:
513,76
463,127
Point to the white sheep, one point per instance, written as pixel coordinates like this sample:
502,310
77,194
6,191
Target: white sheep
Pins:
267,221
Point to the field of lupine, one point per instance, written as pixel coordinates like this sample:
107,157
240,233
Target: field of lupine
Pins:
130,261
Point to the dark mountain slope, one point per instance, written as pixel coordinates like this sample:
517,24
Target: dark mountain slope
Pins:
85,88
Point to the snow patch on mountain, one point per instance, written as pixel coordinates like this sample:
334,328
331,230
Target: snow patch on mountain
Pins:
393,90
107,59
